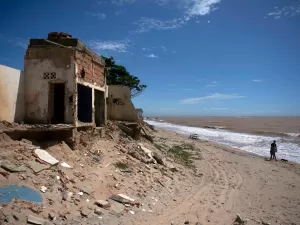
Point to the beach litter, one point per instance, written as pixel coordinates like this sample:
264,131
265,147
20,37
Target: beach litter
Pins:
43,189
7,194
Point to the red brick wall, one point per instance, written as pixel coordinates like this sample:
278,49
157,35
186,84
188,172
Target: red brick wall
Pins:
94,72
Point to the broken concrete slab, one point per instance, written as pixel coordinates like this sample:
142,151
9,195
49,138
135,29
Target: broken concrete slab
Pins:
45,156
12,167
126,197
35,220
37,167
102,203
117,208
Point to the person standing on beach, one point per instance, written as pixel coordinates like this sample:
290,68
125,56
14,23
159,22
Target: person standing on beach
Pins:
273,151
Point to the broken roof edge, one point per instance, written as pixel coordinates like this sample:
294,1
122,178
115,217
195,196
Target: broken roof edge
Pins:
72,43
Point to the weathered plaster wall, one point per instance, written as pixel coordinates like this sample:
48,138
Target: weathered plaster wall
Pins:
11,94
40,60
119,105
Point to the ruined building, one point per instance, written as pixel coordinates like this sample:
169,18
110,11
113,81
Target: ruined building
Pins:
62,90
64,83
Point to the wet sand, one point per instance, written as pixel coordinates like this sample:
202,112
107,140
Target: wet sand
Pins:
273,126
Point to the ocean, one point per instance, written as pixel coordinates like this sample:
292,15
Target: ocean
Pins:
288,146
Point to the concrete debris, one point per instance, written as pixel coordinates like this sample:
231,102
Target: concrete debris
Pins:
67,196
43,189
126,197
46,157
186,222
239,221
120,199
102,203
117,208
265,223
12,167
66,165
85,211
35,220
159,158
98,211
80,193
132,212
37,167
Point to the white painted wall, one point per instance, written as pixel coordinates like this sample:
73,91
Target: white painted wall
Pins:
11,94
37,88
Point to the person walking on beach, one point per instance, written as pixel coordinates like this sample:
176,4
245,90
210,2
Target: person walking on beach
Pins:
273,151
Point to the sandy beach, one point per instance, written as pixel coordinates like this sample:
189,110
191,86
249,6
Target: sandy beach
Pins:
235,182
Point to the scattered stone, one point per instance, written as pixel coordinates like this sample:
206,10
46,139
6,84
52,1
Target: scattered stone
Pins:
98,211
265,223
132,212
66,165
67,196
186,222
51,216
159,158
102,203
239,221
80,193
85,211
43,189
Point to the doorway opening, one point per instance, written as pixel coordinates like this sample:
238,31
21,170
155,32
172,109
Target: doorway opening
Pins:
99,108
85,107
57,103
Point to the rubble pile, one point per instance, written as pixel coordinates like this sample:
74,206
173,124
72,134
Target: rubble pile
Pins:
112,180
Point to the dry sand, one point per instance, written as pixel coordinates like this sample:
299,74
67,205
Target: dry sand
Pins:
235,182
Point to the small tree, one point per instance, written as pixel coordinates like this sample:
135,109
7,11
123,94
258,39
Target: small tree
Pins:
118,75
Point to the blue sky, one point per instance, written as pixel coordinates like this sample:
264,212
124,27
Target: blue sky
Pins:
198,57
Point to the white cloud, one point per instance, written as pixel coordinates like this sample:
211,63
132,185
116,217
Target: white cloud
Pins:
215,96
152,56
145,49
210,85
147,24
122,2
202,7
285,11
190,9
99,16
257,80
164,48
219,108
117,46
19,42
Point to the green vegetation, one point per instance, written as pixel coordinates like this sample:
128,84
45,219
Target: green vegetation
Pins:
118,75
122,166
181,155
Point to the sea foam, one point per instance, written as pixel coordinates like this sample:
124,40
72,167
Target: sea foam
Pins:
259,145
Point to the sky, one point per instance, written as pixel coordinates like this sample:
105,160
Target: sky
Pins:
197,57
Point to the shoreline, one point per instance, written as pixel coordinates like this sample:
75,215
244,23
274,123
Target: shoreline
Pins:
283,127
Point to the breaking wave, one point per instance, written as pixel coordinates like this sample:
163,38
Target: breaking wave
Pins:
260,145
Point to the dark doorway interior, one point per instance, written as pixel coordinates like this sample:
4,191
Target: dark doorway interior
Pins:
57,103
99,108
85,109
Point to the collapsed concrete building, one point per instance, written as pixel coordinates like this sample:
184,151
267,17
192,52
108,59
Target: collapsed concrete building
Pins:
63,84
